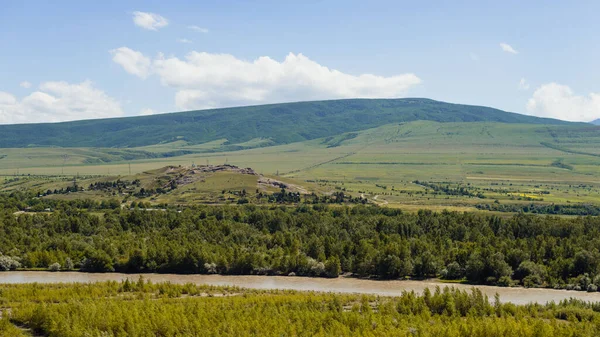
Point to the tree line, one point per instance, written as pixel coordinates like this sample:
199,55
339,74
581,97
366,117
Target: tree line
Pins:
313,240
142,308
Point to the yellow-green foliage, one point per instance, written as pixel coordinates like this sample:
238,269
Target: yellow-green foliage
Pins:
7,329
145,309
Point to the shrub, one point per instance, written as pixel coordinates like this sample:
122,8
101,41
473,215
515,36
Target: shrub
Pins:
453,271
211,268
504,281
69,264
8,263
533,272
333,267
97,261
532,281
54,267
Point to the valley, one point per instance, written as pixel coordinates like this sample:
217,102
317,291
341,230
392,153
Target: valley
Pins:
389,206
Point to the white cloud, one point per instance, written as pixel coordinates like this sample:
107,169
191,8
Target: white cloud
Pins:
7,99
57,102
25,84
508,48
132,61
523,84
149,21
184,41
198,29
205,80
146,112
558,101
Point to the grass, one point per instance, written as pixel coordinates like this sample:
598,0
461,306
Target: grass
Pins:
220,187
506,162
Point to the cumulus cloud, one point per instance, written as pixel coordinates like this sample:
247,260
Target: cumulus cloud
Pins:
149,21
198,29
184,41
57,102
559,101
25,85
205,80
508,48
132,61
523,84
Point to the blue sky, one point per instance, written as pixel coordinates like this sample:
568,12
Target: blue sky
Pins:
68,60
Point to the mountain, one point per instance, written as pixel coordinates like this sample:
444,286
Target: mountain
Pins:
596,122
278,123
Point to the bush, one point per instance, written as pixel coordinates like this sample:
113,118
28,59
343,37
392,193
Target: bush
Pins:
333,268
533,272
532,281
596,280
453,271
97,261
54,267
69,264
592,288
318,268
504,281
584,281
211,268
8,263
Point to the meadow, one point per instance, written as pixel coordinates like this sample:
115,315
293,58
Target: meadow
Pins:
508,163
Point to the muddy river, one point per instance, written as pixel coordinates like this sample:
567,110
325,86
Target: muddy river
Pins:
340,285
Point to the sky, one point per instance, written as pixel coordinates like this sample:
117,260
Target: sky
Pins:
69,60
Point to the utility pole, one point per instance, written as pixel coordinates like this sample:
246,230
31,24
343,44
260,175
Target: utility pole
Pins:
65,157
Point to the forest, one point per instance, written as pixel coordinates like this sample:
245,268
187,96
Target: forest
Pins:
312,240
142,308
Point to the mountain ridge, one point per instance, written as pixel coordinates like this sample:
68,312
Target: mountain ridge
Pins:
281,123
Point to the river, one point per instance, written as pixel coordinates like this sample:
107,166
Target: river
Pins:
340,285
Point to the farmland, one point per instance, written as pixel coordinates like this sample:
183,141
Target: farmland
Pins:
507,163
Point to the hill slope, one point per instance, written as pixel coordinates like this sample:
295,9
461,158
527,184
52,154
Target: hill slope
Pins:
279,123
596,122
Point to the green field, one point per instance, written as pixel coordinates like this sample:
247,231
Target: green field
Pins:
515,163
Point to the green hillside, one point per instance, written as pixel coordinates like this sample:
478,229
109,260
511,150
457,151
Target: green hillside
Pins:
259,125
596,122
516,164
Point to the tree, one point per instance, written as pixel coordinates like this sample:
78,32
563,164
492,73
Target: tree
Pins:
425,265
530,273
68,264
97,261
453,271
333,268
